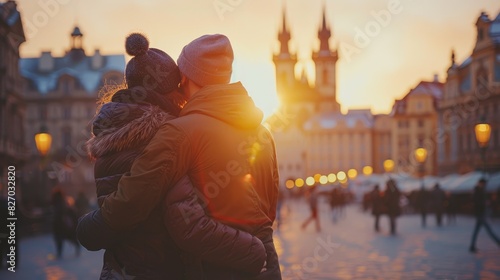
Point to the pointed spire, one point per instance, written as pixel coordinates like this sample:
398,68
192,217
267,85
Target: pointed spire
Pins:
324,33
452,57
284,35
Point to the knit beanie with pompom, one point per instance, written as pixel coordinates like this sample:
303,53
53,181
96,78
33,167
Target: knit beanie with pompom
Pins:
150,68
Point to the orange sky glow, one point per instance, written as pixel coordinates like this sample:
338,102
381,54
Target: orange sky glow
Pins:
403,41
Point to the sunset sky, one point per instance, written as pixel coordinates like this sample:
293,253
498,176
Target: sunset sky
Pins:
413,45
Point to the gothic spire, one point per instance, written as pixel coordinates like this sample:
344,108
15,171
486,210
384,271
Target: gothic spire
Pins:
324,33
284,36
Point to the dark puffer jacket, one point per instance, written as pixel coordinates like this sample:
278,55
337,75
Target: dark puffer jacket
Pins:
152,251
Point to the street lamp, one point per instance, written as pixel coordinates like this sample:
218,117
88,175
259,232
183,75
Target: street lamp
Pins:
421,156
483,133
388,165
43,141
367,170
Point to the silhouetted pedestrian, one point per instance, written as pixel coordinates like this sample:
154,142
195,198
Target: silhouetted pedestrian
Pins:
65,221
377,205
392,197
480,212
335,200
313,205
438,198
422,204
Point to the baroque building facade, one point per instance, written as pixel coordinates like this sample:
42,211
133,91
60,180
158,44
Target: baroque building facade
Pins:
413,126
312,135
61,95
472,95
12,105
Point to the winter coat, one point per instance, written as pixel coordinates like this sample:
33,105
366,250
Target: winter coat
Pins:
392,199
377,202
422,200
219,142
148,251
438,198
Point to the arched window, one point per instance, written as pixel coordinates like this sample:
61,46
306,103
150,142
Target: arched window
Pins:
325,76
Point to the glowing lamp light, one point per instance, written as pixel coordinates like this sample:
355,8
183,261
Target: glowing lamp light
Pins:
317,177
341,176
367,170
483,133
388,165
352,173
420,155
299,183
310,181
332,178
323,180
290,184
43,141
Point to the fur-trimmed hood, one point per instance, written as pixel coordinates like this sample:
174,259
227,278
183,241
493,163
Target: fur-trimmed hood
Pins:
123,126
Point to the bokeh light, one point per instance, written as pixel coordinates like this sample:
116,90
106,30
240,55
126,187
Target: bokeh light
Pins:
332,178
310,181
299,183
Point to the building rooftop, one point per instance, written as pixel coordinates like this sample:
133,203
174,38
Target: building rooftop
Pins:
333,120
90,78
434,88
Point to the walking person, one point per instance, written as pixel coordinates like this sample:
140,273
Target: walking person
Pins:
313,206
335,203
219,143
422,204
377,205
392,198
480,202
438,199
178,234
64,222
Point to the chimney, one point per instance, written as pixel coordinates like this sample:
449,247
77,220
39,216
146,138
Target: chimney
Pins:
46,62
436,78
97,60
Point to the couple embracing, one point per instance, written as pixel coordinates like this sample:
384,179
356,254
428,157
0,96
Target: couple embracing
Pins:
186,175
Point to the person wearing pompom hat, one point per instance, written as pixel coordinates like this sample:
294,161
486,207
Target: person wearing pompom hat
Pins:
219,141
166,238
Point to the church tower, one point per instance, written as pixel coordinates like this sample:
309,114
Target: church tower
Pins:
284,62
325,61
